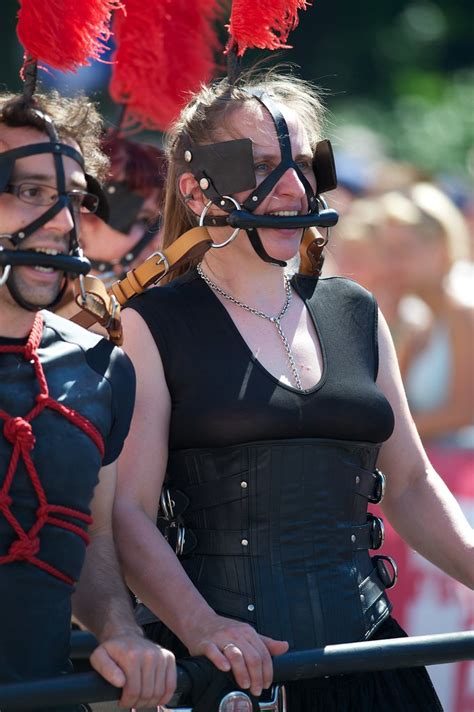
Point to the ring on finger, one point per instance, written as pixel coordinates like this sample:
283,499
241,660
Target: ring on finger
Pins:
230,645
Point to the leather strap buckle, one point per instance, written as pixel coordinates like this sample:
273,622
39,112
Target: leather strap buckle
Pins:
162,261
388,578
377,531
172,505
379,490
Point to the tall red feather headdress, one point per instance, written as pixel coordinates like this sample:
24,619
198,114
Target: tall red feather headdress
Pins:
262,24
65,34
164,51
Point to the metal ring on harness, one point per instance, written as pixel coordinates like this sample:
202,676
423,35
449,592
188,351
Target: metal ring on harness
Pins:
217,245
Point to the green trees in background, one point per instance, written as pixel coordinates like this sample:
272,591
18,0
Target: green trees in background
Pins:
404,68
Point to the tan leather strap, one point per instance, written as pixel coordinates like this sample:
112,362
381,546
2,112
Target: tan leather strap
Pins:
190,246
97,305
311,249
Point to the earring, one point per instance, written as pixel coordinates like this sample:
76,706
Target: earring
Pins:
187,197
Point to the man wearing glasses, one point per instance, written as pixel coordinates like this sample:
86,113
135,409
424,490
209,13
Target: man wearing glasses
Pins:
66,398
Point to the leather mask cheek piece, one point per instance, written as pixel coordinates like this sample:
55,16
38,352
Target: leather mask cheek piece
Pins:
227,167
124,206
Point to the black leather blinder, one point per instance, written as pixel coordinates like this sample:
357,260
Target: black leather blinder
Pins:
324,167
227,166
94,187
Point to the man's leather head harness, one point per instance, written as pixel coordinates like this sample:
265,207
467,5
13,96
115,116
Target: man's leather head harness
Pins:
124,206
72,263
225,168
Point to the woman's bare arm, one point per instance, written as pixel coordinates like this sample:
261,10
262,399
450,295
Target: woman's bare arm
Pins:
152,569
458,409
417,501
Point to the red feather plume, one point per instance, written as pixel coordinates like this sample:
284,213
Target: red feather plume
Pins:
65,34
264,24
165,50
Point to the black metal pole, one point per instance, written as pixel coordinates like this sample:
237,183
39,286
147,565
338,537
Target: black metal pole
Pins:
375,655
331,660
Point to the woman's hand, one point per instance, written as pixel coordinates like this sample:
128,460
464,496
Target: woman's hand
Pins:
232,645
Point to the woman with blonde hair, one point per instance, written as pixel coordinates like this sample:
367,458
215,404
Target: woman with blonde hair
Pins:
425,234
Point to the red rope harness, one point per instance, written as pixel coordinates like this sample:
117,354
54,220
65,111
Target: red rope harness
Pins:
18,431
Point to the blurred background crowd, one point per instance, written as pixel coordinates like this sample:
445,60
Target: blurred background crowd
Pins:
398,79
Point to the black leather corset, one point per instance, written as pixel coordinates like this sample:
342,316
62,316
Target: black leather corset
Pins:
283,536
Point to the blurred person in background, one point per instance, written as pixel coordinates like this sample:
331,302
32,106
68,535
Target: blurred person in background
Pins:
461,276
424,235
388,175
134,191
359,253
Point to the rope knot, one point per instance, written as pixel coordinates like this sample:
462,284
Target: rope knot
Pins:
18,430
24,548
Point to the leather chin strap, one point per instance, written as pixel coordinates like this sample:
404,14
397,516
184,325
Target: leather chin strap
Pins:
101,306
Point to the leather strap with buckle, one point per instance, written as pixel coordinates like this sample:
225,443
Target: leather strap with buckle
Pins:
99,306
173,503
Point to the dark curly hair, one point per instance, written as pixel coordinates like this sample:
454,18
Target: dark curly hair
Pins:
75,119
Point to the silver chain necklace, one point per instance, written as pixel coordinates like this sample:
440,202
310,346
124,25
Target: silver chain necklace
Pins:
276,320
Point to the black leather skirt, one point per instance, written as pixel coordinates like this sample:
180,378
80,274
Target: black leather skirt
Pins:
399,690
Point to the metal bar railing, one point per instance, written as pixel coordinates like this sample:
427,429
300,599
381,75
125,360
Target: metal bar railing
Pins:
331,660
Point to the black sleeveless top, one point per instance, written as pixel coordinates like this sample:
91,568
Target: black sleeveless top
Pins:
277,480
221,395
